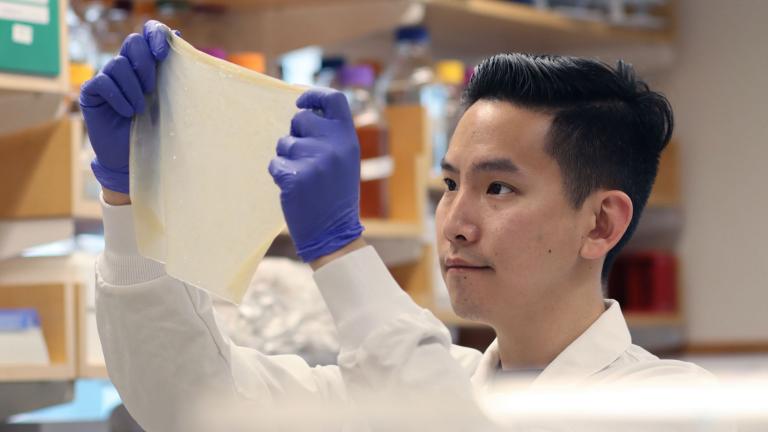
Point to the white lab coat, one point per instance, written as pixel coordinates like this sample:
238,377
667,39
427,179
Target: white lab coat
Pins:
163,347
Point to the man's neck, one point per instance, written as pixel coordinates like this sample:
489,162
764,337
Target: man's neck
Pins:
532,339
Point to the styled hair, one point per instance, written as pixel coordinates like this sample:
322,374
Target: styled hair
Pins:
608,128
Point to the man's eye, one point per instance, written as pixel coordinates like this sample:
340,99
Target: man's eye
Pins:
450,184
498,189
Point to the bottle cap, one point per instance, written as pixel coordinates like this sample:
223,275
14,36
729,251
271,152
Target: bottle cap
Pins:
357,76
450,72
332,62
412,34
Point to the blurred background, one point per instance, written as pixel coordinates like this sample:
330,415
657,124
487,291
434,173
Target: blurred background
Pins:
693,283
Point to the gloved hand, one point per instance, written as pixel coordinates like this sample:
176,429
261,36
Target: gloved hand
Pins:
111,99
317,168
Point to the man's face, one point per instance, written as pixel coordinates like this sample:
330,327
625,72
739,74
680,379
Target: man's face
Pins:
507,238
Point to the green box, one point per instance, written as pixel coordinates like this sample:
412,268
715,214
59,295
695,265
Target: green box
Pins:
29,36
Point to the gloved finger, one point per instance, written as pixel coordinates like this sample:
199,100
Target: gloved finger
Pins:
333,103
122,73
136,50
156,34
284,146
102,89
306,123
283,169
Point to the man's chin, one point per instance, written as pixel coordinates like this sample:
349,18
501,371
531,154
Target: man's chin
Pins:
467,310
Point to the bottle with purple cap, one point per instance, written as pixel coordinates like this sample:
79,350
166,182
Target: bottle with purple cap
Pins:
376,165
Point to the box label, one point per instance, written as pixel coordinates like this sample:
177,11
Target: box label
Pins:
29,37
22,34
23,12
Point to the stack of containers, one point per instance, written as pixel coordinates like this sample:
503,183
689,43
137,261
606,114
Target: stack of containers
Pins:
442,100
410,71
357,84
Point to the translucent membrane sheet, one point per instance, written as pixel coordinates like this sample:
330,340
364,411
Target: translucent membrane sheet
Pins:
203,201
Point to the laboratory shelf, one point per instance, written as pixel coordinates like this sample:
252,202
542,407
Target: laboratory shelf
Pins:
270,27
93,370
502,24
31,83
18,235
22,373
654,319
48,285
466,29
44,173
474,29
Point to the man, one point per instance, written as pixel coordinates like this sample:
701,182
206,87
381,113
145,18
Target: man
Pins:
546,177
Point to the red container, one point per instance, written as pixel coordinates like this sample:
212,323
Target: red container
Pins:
645,281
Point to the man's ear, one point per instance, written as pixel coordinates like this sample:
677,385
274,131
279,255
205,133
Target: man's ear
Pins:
611,213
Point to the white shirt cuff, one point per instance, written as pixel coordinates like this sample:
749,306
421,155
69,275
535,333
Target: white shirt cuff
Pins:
121,263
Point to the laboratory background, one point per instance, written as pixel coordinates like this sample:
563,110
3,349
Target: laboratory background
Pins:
693,282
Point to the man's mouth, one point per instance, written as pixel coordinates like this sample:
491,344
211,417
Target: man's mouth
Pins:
461,265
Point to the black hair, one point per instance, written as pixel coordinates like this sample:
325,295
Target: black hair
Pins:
608,128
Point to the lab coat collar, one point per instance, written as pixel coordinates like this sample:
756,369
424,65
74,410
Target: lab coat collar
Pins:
594,350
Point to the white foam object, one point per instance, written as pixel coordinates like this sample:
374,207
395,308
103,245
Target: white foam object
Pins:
203,200
23,347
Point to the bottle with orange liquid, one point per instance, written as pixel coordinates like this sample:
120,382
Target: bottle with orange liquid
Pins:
376,164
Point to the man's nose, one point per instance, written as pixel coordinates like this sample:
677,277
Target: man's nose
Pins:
461,220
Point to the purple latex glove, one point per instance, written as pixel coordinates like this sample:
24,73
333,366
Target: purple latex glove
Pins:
317,168
111,99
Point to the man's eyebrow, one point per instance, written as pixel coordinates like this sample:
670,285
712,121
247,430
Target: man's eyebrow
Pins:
500,164
448,167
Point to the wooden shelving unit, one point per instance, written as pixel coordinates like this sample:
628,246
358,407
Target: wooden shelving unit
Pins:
501,24
47,285
42,175
44,186
467,29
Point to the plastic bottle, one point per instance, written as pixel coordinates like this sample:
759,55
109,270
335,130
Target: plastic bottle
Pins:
357,83
442,99
411,69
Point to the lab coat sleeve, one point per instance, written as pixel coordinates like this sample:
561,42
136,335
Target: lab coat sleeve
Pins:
164,351
388,343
